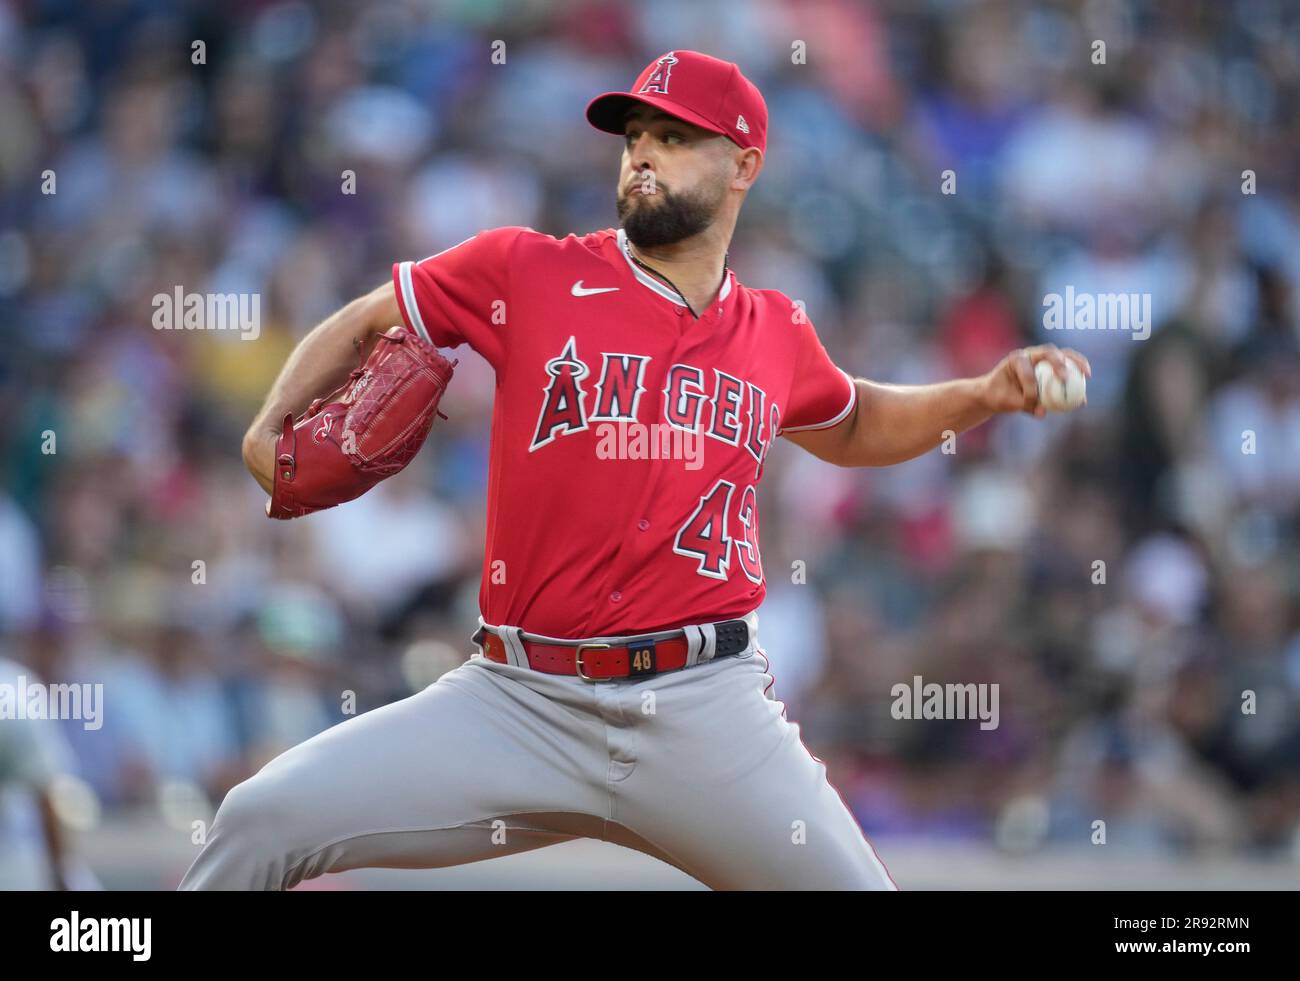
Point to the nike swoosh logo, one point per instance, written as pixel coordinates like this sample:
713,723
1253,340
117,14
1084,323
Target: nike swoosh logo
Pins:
580,290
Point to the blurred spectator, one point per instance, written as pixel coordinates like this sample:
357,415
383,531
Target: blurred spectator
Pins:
34,848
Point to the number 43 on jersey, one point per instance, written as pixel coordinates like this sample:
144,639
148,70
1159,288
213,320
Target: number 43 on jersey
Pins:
705,536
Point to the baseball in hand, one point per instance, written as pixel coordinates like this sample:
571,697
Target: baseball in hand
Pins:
1055,395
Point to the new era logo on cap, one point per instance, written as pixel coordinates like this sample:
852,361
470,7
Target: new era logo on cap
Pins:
711,93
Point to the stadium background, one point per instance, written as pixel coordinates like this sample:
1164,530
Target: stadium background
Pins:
1119,701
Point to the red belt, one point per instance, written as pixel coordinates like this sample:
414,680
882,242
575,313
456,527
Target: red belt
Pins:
636,657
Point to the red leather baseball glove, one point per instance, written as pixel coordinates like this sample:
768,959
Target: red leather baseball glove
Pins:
368,429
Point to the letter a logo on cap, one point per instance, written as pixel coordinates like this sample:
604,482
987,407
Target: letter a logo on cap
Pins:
658,80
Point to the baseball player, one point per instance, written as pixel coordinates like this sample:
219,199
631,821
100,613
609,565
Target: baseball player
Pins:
618,690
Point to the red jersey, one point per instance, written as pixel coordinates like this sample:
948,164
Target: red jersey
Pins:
628,437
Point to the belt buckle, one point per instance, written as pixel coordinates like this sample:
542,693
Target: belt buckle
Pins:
577,661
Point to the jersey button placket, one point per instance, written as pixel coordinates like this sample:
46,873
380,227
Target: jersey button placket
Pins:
615,596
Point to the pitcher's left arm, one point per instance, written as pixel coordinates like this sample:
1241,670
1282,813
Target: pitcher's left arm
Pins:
893,423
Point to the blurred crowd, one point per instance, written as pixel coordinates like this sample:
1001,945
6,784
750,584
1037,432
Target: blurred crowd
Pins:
1129,575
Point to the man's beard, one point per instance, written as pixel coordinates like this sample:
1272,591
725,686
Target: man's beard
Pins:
674,218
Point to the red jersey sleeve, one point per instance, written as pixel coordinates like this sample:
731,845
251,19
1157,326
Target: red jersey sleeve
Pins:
460,295
821,395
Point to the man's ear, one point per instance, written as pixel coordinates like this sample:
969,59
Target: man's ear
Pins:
748,163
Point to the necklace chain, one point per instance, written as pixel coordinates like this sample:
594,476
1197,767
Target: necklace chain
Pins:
725,257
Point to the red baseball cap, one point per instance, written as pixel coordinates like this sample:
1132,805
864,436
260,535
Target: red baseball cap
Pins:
706,91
